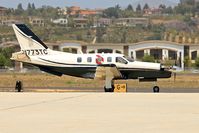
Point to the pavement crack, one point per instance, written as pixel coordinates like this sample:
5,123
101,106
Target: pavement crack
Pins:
42,102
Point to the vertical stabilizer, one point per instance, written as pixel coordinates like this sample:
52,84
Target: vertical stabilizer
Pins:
27,39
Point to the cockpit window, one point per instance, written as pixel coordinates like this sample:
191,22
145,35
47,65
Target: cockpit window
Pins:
129,59
121,60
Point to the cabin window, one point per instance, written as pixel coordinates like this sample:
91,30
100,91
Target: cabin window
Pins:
79,59
89,59
121,60
109,59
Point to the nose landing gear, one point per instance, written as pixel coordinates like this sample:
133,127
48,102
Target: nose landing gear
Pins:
156,89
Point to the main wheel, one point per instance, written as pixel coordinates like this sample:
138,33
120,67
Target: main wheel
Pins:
156,89
108,89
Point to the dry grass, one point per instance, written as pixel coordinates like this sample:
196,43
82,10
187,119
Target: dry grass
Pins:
46,80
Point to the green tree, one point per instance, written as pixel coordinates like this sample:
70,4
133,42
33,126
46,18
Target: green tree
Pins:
148,58
29,9
162,6
197,62
19,7
29,6
117,7
123,34
2,60
190,2
99,34
129,7
111,12
5,55
138,8
146,6
183,9
187,62
168,10
33,6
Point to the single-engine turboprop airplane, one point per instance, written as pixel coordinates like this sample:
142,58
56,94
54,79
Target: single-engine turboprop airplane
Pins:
103,66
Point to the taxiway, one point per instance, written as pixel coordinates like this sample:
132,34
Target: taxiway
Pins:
99,112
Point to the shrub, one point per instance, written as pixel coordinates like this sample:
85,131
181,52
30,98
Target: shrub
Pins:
148,58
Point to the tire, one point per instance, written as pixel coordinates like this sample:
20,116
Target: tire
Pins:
108,89
156,89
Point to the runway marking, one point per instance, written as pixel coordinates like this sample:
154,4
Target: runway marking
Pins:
42,102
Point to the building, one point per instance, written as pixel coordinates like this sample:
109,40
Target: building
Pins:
9,22
152,11
60,21
37,21
102,22
84,13
80,22
3,11
131,21
62,11
73,10
77,11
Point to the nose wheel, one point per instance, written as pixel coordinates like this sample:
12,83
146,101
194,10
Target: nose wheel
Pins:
156,89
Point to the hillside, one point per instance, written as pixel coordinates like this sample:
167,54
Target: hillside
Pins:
154,3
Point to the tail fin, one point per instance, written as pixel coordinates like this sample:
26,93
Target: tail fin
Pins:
26,38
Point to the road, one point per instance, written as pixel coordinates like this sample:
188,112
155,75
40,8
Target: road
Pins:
99,112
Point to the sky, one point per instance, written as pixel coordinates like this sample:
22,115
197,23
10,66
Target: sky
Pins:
62,3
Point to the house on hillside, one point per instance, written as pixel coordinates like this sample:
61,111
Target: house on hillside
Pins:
62,11
131,22
60,21
73,10
3,11
37,21
9,22
80,22
84,13
152,11
102,22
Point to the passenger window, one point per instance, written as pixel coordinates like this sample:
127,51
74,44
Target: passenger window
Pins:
89,59
121,60
79,59
109,59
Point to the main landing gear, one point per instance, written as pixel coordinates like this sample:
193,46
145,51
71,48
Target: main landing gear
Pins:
109,89
109,86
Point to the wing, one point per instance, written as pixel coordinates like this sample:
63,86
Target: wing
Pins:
107,71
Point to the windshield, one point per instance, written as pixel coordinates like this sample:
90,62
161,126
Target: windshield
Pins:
129,59
121,60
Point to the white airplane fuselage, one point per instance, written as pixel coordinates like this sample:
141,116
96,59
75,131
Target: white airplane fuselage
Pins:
35,52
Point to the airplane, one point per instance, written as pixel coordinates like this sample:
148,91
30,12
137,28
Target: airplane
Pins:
104,66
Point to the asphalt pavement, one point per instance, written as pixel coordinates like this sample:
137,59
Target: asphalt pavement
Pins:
99,112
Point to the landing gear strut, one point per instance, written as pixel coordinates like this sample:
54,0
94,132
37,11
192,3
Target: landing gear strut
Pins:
109,86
